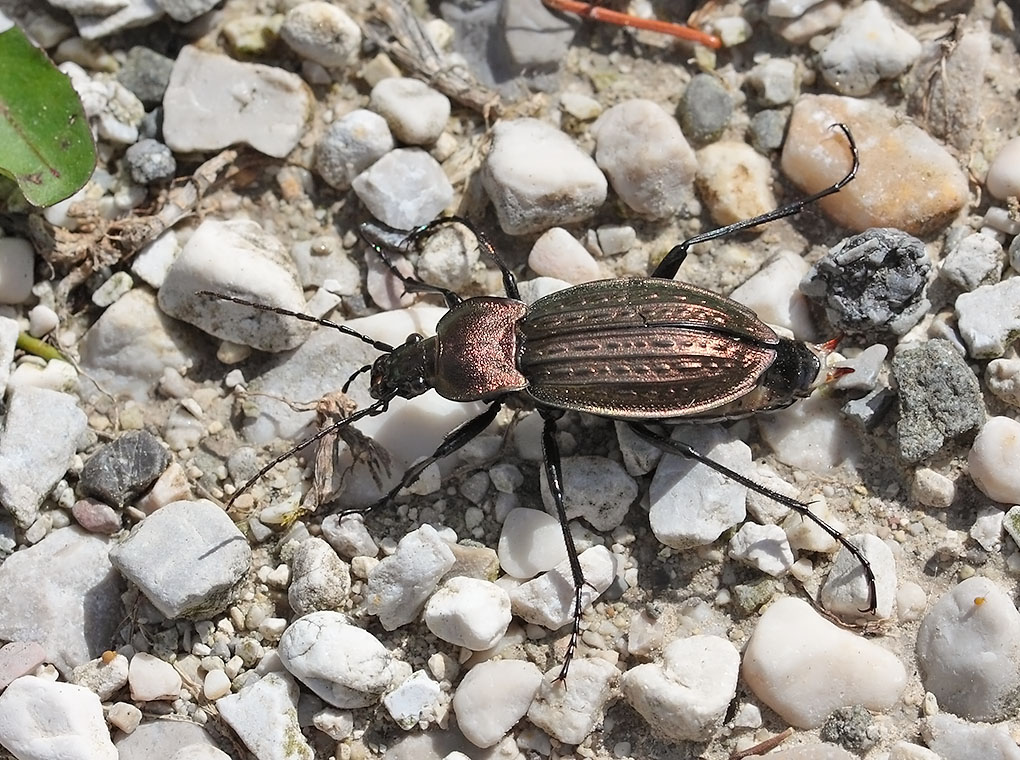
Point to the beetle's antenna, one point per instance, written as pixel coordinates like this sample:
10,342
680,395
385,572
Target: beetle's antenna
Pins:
376,344
670,264
369,411
360,371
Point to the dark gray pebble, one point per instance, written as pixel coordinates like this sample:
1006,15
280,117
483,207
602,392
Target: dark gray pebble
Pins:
872,284
767,130
940,398
150,161
124,469
146,73
705,109
852,727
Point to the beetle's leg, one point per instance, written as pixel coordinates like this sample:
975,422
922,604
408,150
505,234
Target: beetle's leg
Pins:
411,284
509,281
671,262
554,476
454,440
682,449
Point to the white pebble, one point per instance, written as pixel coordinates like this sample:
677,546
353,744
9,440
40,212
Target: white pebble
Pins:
42,320
400,584
17,262
1003,179
911,601
867,47
538,178
1002,376
415,113
348,536
309,650
530,543
350,145
264,715
216,684
492,697
548,600
933,489
321,32
975,260
580,106
950,737
404,189
735,181
113,289
596,489
846,593
993,457
691,504
807,535
763,546
569,710
469,612
151,679
810,435
153,262
237,258
968,649
124,716
646,156
686,697
987,528
773,293
804,667
44,720
988,319
559,254
415,701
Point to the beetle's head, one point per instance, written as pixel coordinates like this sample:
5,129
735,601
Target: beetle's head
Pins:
407,371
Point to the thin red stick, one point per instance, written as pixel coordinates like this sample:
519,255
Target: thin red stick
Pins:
598,13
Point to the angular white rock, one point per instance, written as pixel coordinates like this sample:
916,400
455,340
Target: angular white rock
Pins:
236,258
988,318
792,644
44,720
596,489
968,648
691,504
773,293
415,113
151,678
548,600
320,580
400,584
538,178
530,543
417,700
186,558
807,535
9,329
264,715
569,710
559,254
1002,376
74,605
213,102
867,47
763,546
469,612
492,697
845,592
810,435
345,665
647,158
404,189
993,457
686,697
41,432
955,739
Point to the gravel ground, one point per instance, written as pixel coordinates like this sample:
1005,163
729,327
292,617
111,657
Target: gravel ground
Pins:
709,634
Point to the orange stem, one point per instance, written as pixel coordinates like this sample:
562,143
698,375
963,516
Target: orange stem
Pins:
599,13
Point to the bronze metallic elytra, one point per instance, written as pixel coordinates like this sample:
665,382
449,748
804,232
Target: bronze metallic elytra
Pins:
644,351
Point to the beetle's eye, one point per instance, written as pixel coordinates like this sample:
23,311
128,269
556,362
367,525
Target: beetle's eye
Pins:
413,338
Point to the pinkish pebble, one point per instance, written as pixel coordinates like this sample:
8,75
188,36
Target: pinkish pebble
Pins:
19,658
96,517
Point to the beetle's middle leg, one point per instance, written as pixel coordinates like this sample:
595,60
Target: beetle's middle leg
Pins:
679,448
554,475
454,440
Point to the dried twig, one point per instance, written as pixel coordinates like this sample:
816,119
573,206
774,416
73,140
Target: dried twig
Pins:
763,747
598,13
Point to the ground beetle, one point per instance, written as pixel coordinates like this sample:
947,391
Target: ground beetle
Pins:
643,351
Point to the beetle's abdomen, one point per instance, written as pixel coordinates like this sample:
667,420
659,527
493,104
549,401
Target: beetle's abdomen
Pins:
476,357
645,349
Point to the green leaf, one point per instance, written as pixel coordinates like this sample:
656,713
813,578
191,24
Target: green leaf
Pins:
45,141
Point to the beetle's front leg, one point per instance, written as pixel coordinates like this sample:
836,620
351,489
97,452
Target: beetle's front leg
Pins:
554,476
453,441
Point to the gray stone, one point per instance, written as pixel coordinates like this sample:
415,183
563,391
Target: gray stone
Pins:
352,144
404,189
146,73
940,398
150,161
124,469
705,108
852,727
767,130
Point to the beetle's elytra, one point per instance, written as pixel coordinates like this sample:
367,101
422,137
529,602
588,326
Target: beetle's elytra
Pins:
640,350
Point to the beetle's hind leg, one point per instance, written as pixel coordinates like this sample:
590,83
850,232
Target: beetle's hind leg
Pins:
411,284
454,440
509,280
554,476
682,449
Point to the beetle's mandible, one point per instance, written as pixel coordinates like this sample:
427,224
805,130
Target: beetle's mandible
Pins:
645,351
